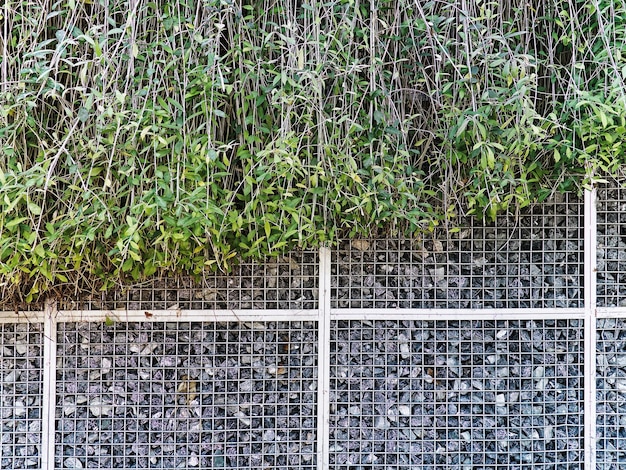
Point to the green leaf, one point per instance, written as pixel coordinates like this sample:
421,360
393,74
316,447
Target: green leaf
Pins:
83,114
33,208
128,265
15,222
40,251
268,228
97,49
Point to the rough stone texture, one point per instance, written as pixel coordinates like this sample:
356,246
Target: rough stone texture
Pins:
532,261
21,388
187,395
611,393
405,394
611,248
288,282
457,394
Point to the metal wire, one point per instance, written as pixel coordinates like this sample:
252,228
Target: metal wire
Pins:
533,261
611,393
611,252
223,377
288,282
187,395
20,395
457,394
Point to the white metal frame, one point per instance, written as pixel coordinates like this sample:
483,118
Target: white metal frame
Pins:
324,315
590,329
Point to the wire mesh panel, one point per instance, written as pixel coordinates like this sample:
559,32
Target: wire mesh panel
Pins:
288,282
457,394
21,389
611,393
611,249
533,261
186,395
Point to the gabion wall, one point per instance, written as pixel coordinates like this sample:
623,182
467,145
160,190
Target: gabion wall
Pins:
186,395
532,261
495,346
21,395
289,282
457,394
611,392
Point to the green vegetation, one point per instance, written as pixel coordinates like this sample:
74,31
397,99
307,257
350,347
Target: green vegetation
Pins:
142,138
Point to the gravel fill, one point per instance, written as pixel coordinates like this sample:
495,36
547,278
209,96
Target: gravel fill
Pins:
532,261
611,250
404,394
457,394
187,395
287,282
21,391
611,393
611,332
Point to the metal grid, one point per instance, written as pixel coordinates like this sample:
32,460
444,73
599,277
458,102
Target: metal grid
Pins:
611,393
288,282
533,261
457,394
611,247
337,359
21,395
186,395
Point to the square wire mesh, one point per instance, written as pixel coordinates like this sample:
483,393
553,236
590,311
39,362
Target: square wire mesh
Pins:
533,261
288,282
611,393
187,395
611,246
457,394
21,395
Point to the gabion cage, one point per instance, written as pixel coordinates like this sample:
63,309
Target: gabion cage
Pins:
186,395
490,346
611,241
21,398
611,386
288,282
531,261
457,394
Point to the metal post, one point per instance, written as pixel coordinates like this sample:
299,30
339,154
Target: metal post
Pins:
590,329
323,398
49,386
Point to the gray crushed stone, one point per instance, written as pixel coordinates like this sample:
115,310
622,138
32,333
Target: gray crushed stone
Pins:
457,394
187,395
532,261
21,390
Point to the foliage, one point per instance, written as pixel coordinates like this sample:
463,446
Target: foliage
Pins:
152,137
